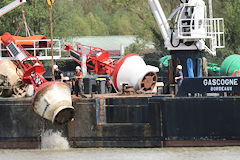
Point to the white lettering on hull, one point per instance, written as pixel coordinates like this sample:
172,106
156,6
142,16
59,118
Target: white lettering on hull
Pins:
220,82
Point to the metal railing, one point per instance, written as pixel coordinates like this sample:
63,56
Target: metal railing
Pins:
210,28
36,49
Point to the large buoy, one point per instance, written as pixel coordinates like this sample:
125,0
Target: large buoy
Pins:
10,82
230,65
53,101
133,71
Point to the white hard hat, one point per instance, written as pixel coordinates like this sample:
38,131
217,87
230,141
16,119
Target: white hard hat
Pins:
78,67
55,66
179,67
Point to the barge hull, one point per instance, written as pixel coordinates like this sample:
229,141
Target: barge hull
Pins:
143,121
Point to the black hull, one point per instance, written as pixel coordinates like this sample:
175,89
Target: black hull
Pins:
129,122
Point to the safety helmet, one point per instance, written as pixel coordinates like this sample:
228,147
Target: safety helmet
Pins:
78,67
55,66
179,67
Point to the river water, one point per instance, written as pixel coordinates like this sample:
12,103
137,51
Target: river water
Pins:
56,147
223,153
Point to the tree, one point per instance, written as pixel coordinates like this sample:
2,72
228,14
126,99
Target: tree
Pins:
232,22
97,26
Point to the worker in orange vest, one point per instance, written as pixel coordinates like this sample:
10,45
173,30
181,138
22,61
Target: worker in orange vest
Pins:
78,81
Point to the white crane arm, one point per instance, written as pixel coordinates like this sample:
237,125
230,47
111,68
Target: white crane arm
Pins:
161,19
11,6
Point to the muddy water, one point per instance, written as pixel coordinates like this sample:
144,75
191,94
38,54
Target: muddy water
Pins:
224,153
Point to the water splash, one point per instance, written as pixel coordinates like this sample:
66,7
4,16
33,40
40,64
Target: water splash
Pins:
54,140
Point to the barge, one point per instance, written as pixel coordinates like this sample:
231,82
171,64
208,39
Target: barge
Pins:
128,121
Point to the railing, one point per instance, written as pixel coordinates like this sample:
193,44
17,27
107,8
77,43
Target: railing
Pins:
211,28
217,32
35,49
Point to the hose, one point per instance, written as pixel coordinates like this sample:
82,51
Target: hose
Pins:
175,46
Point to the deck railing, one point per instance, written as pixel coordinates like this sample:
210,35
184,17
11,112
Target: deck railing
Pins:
42,52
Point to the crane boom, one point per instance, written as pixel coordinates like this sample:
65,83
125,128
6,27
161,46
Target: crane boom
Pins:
160,19
11,6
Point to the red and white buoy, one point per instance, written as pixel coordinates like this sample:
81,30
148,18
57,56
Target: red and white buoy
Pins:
133,71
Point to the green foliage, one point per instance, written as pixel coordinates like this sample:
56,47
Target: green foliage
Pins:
70,18
97,27
115,17
136,47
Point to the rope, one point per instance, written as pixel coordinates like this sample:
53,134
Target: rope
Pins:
199,67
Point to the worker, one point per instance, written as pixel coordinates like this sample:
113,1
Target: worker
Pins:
78,82
187,16
179,75
58,73
186,23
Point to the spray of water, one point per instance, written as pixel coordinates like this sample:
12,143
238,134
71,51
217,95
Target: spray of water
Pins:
54,140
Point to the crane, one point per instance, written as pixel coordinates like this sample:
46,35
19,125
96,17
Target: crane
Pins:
186,39
11,6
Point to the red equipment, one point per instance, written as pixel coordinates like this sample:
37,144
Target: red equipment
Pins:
52,100
98,60
31,66
131,70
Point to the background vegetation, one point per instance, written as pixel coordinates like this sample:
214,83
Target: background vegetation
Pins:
115,17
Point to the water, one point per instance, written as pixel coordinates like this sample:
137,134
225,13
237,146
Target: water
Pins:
53,141
224,153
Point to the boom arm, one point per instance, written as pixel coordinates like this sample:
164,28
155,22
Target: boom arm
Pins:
161,19
11,6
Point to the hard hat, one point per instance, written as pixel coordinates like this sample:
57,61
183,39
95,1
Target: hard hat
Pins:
55,66
78,67
179,67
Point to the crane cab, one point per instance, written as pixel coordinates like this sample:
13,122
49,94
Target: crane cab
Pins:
190,22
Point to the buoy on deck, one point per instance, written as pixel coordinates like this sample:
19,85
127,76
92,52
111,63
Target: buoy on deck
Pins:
133,71
10,82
